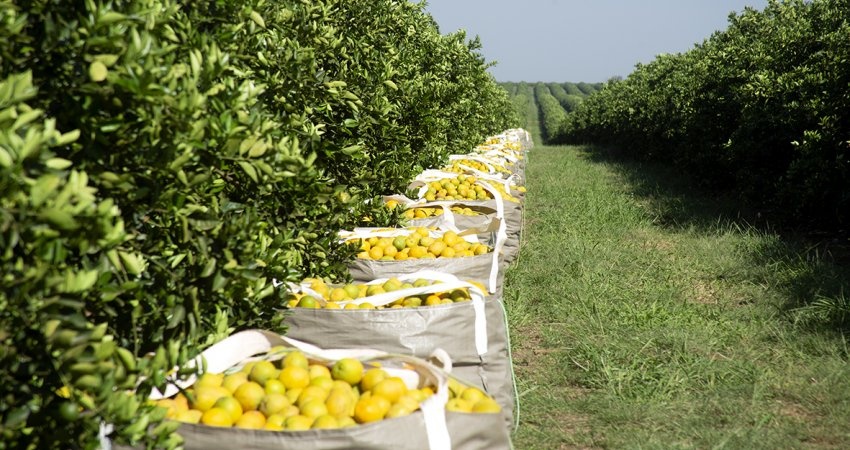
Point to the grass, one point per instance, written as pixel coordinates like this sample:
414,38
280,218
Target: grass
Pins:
644,315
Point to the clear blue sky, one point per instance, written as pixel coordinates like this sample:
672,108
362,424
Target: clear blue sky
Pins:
587,40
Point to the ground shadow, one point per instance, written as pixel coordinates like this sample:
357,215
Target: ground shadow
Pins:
818,287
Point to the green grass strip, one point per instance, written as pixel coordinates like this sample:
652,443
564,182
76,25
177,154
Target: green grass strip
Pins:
642,319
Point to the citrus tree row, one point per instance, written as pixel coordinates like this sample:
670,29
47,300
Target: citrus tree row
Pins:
760,108
552,114
163,161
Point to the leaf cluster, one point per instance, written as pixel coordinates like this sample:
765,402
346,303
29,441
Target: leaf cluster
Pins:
209,148
760,108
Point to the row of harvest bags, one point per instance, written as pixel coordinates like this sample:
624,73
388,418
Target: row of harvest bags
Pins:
414,354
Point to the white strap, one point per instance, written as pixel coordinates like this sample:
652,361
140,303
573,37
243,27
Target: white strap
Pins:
434,414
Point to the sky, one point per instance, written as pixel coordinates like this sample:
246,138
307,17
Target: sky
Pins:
582,40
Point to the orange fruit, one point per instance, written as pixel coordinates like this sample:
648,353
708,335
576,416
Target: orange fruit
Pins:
298,423
318,370
181,402
252,420
295,359
308,301
390,388
371,378
349,370
233,380
472,395
325,382
169,405
294,377
436,248
346,421
209,380
274,404
351,291
262,372
337,295
205,397
412,302
400,242
189,416
418,252
339,403
450,238
231,405
486,405
460,246
275,422
314,408
250,395
398,410
376,253
274,386
217,417
311,393
393,284
325,422
370,409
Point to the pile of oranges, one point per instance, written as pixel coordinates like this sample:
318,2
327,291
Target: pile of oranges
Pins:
294,393
500,188
461,187
425,212
418,244
340,297
461,165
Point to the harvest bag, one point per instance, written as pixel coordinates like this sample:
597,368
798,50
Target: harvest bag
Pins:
473,333
483,268
430,428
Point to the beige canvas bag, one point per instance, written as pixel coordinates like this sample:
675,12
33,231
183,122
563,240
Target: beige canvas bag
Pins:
485,269
426,429
474,333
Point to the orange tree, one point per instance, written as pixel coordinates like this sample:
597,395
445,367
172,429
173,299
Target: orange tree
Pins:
209,148
760,108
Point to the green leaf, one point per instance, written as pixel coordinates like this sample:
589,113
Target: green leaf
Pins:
133,263
60,219
5,158
42,188
258,19
58,163
110,17
249,169
352,149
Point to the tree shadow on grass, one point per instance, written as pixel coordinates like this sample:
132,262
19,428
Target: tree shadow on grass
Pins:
813,266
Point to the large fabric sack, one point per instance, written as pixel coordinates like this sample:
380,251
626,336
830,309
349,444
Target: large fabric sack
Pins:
483,268
511,211
486,212
428,428
473,333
